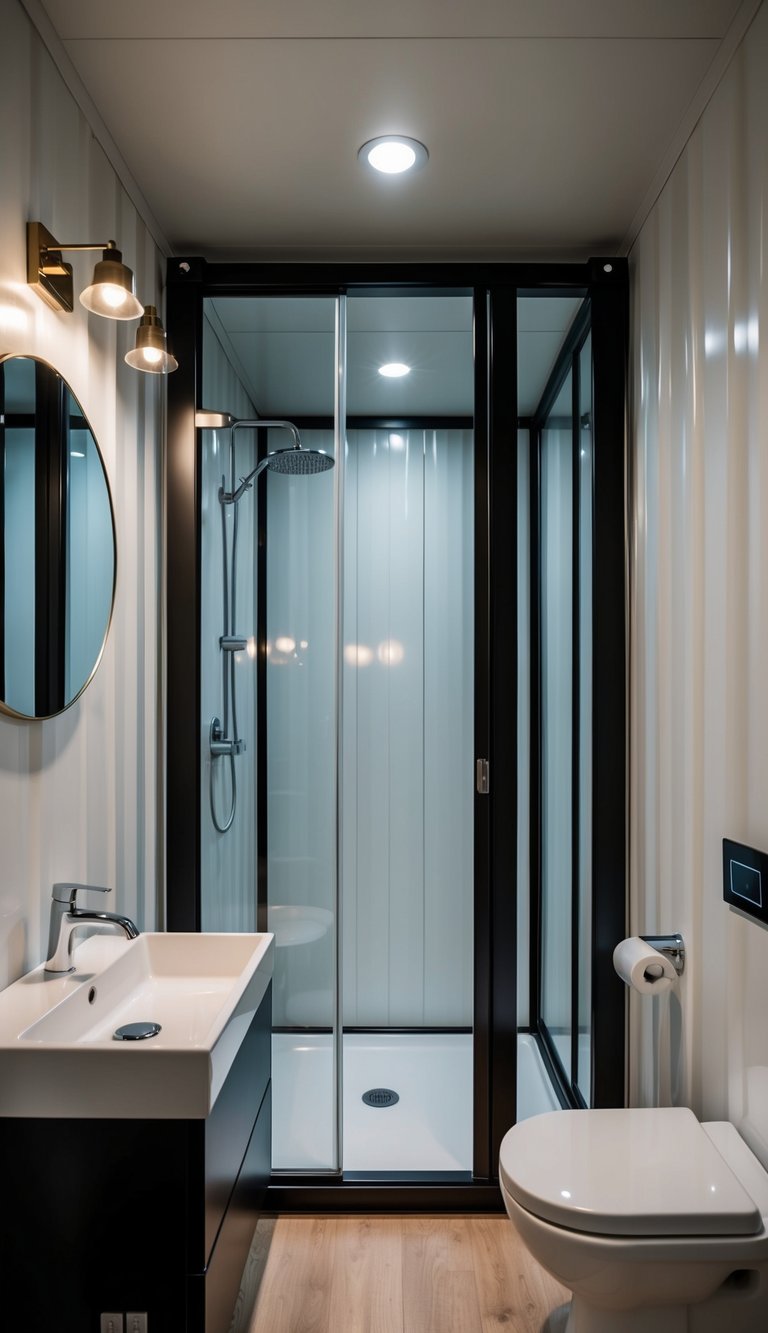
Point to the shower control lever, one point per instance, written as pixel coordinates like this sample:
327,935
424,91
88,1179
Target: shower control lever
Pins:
221,744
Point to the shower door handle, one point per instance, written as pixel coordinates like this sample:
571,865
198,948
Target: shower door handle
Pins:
482,777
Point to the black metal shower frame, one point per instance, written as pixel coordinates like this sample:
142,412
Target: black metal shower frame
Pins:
495,288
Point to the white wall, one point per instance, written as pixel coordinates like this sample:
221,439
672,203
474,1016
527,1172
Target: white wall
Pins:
79,795
699,611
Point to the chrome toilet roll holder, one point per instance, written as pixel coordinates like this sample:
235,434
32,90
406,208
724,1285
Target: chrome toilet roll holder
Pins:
672,946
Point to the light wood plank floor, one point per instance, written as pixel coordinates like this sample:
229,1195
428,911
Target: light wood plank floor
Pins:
372,1274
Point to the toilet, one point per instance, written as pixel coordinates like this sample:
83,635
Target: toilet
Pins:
656,1223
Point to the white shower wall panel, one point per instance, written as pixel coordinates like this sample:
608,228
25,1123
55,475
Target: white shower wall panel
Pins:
449,647
407,726
228,860
301,733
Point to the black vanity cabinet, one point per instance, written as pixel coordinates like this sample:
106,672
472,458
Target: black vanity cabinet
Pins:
136,1216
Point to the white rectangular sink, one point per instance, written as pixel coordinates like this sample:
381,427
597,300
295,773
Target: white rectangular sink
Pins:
58,1052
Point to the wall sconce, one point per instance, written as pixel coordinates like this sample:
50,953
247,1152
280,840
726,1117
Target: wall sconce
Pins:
112,293
151,351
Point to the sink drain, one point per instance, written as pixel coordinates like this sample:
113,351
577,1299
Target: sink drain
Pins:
380,1097
137,1031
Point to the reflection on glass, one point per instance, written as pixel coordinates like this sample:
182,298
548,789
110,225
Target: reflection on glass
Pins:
556,719
583,1071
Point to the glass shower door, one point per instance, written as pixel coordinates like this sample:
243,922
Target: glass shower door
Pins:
566,541
271,560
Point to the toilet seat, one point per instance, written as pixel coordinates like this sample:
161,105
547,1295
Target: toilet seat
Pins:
646,1172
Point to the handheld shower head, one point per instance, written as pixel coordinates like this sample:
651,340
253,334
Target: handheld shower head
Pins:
298,462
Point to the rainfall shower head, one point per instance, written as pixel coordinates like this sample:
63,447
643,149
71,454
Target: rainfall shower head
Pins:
295,462
298,462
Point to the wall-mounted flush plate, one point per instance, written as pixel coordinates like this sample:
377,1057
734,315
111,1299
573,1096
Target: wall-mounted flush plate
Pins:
745,879
112,1323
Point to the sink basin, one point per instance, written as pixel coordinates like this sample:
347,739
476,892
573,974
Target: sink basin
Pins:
58,1053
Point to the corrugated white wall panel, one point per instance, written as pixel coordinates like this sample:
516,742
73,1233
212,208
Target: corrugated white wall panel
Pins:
699,611
79,795
408,729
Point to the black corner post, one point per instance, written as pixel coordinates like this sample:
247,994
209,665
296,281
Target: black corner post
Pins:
610,341
182,566
482,1002
503,451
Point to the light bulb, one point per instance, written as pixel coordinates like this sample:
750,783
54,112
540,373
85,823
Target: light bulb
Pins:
113,296
393,154
392,157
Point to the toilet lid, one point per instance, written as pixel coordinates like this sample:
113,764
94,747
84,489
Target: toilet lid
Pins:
625,1173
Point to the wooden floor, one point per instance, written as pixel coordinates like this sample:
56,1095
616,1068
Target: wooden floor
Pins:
371,1274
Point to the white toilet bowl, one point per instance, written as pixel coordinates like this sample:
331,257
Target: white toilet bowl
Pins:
656,1223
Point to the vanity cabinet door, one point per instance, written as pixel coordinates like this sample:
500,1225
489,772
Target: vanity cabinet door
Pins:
218,1144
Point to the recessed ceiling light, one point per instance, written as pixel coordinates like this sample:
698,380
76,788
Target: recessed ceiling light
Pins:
394,369
393,154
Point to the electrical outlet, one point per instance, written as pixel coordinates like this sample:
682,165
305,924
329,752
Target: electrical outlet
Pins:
112,1323
136,1323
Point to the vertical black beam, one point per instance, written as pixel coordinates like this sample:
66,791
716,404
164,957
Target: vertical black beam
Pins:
503,698
183,727
535,727
261,739
51,460
610,333
482,923
575,708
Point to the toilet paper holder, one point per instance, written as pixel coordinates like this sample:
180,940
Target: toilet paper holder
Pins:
672,946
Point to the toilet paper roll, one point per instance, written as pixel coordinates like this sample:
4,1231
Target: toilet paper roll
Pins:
642,967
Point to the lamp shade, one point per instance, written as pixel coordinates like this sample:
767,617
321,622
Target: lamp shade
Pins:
112,292
151,352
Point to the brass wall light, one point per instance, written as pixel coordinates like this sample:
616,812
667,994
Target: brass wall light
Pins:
151,351
112,293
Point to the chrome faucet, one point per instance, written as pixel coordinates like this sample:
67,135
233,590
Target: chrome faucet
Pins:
67,917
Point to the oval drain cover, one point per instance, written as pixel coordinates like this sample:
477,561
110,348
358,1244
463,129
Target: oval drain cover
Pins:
380,1097
137,1031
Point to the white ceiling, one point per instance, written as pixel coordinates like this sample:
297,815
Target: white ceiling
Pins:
549,124
283,348
547,121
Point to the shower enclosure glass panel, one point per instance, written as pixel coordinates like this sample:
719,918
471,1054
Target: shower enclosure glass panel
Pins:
407,723
566,669
301,830
275,359
556,719
586,540
228,861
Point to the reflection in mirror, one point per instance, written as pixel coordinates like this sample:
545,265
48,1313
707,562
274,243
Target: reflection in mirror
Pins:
57,542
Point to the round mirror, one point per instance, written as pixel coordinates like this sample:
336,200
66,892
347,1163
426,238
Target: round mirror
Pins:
57,542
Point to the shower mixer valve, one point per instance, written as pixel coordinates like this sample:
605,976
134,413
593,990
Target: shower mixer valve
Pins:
221,744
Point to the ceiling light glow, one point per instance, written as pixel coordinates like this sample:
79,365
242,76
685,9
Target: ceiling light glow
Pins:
393,154
394,370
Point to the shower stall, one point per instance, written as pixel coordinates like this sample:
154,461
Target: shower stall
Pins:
388,694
